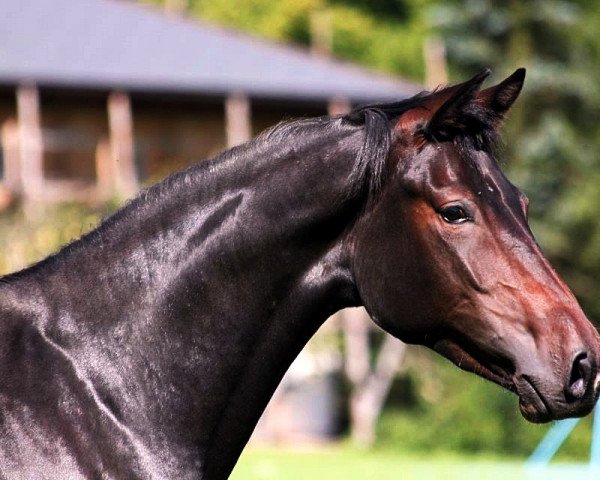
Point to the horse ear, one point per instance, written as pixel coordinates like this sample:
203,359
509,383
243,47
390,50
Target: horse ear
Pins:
450,117
499,98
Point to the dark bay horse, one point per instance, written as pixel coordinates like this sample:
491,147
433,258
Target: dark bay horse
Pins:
148,348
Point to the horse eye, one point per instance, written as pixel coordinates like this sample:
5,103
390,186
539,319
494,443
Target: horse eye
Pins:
454,214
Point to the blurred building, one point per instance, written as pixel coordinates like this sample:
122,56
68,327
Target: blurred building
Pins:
98,96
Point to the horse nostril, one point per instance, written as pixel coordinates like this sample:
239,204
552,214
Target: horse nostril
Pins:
581,373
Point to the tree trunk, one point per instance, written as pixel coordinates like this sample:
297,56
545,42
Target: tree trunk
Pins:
370,384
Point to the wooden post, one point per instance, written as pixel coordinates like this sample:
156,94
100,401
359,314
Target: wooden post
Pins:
338,106
370,383
120,125
105,171
238,119
30,147
10,147
436,70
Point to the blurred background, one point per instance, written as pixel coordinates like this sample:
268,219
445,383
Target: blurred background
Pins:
99,98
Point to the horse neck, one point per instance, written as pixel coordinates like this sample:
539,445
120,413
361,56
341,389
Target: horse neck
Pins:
290,271
224,282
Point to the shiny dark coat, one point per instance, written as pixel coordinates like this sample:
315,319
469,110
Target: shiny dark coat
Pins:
149,348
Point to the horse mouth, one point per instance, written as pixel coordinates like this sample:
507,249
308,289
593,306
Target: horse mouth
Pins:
469,360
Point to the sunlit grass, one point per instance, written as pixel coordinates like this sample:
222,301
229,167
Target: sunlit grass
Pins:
345,463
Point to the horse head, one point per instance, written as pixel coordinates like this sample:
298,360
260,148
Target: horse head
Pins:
444,257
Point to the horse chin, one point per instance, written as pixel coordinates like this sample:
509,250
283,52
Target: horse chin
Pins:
532,405
534,413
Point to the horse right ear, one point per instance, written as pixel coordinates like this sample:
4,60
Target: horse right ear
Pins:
498,99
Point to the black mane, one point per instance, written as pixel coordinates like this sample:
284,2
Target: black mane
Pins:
376,120
373,146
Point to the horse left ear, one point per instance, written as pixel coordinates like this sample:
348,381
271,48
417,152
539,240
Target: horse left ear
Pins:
450,117
498,99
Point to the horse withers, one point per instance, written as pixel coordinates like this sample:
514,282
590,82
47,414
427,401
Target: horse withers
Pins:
149,347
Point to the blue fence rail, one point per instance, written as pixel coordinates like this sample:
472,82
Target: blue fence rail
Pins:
556,436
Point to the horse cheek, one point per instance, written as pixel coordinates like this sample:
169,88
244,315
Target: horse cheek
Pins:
396,285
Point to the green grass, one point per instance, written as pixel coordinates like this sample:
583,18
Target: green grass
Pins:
348,464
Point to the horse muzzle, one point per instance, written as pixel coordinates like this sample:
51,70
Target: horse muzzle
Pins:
576,396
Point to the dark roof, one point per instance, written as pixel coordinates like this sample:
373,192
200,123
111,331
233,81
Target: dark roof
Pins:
105,44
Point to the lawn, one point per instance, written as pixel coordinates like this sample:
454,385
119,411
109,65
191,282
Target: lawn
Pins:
347,464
